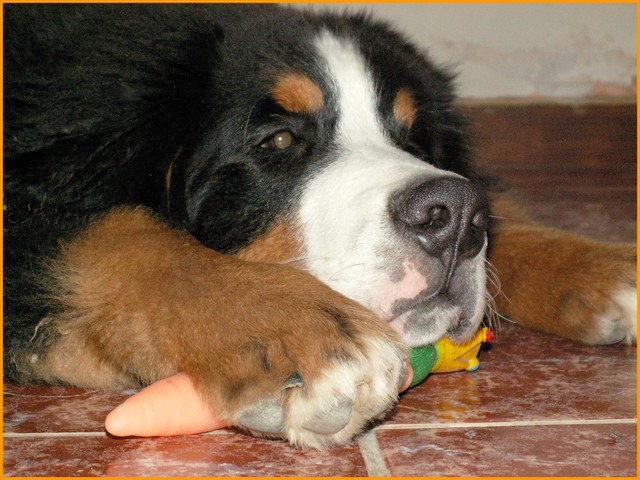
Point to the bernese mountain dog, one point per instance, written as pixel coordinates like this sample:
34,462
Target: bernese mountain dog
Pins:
273,201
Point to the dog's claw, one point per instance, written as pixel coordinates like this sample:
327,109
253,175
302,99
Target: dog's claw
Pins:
294,380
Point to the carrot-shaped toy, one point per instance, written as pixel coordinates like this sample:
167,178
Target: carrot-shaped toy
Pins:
172,406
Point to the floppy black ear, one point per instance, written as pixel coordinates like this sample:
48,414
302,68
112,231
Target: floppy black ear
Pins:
180,113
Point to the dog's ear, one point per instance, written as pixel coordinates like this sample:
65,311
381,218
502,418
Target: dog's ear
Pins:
179,111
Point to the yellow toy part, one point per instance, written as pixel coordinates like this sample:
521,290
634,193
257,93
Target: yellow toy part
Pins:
455,357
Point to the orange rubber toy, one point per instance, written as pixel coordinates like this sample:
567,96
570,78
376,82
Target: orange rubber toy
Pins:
167,407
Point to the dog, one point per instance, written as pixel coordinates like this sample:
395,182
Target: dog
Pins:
276,202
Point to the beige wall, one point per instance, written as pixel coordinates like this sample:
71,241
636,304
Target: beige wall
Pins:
524,50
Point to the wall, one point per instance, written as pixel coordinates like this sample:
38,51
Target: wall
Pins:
524,50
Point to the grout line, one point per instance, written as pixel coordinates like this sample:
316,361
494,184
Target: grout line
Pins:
52,434
84,434
373,456
523,423
368,442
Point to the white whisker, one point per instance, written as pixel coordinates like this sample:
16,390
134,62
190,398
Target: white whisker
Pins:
333,276
301,260
246,125
493,316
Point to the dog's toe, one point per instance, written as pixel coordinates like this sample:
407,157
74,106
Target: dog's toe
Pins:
266,416
331,419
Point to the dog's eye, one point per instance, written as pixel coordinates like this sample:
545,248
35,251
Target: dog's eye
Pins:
280,141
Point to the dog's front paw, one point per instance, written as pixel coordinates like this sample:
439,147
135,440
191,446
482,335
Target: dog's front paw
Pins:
304,363
331,403
568,285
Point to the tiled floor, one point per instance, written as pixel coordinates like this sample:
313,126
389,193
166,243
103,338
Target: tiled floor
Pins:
538,405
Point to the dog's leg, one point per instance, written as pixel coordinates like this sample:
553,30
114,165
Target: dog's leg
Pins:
269,347
562,283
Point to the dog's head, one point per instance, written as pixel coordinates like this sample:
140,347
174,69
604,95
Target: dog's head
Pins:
331,143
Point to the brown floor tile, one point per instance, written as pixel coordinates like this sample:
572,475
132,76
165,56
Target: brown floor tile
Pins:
202,455
574,450
594,219
28,409
598,203
590,450
529,376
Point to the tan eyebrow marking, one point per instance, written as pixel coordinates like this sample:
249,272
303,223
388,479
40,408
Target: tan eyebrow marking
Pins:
297,93
404,108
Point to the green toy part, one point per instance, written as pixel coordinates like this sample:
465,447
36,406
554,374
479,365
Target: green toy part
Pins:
422,360
446,356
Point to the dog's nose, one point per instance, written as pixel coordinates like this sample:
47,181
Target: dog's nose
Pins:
448,216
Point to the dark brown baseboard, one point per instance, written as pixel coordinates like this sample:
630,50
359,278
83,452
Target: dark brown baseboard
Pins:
575,165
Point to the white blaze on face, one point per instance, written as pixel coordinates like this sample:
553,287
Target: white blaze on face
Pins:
350,241
344,208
